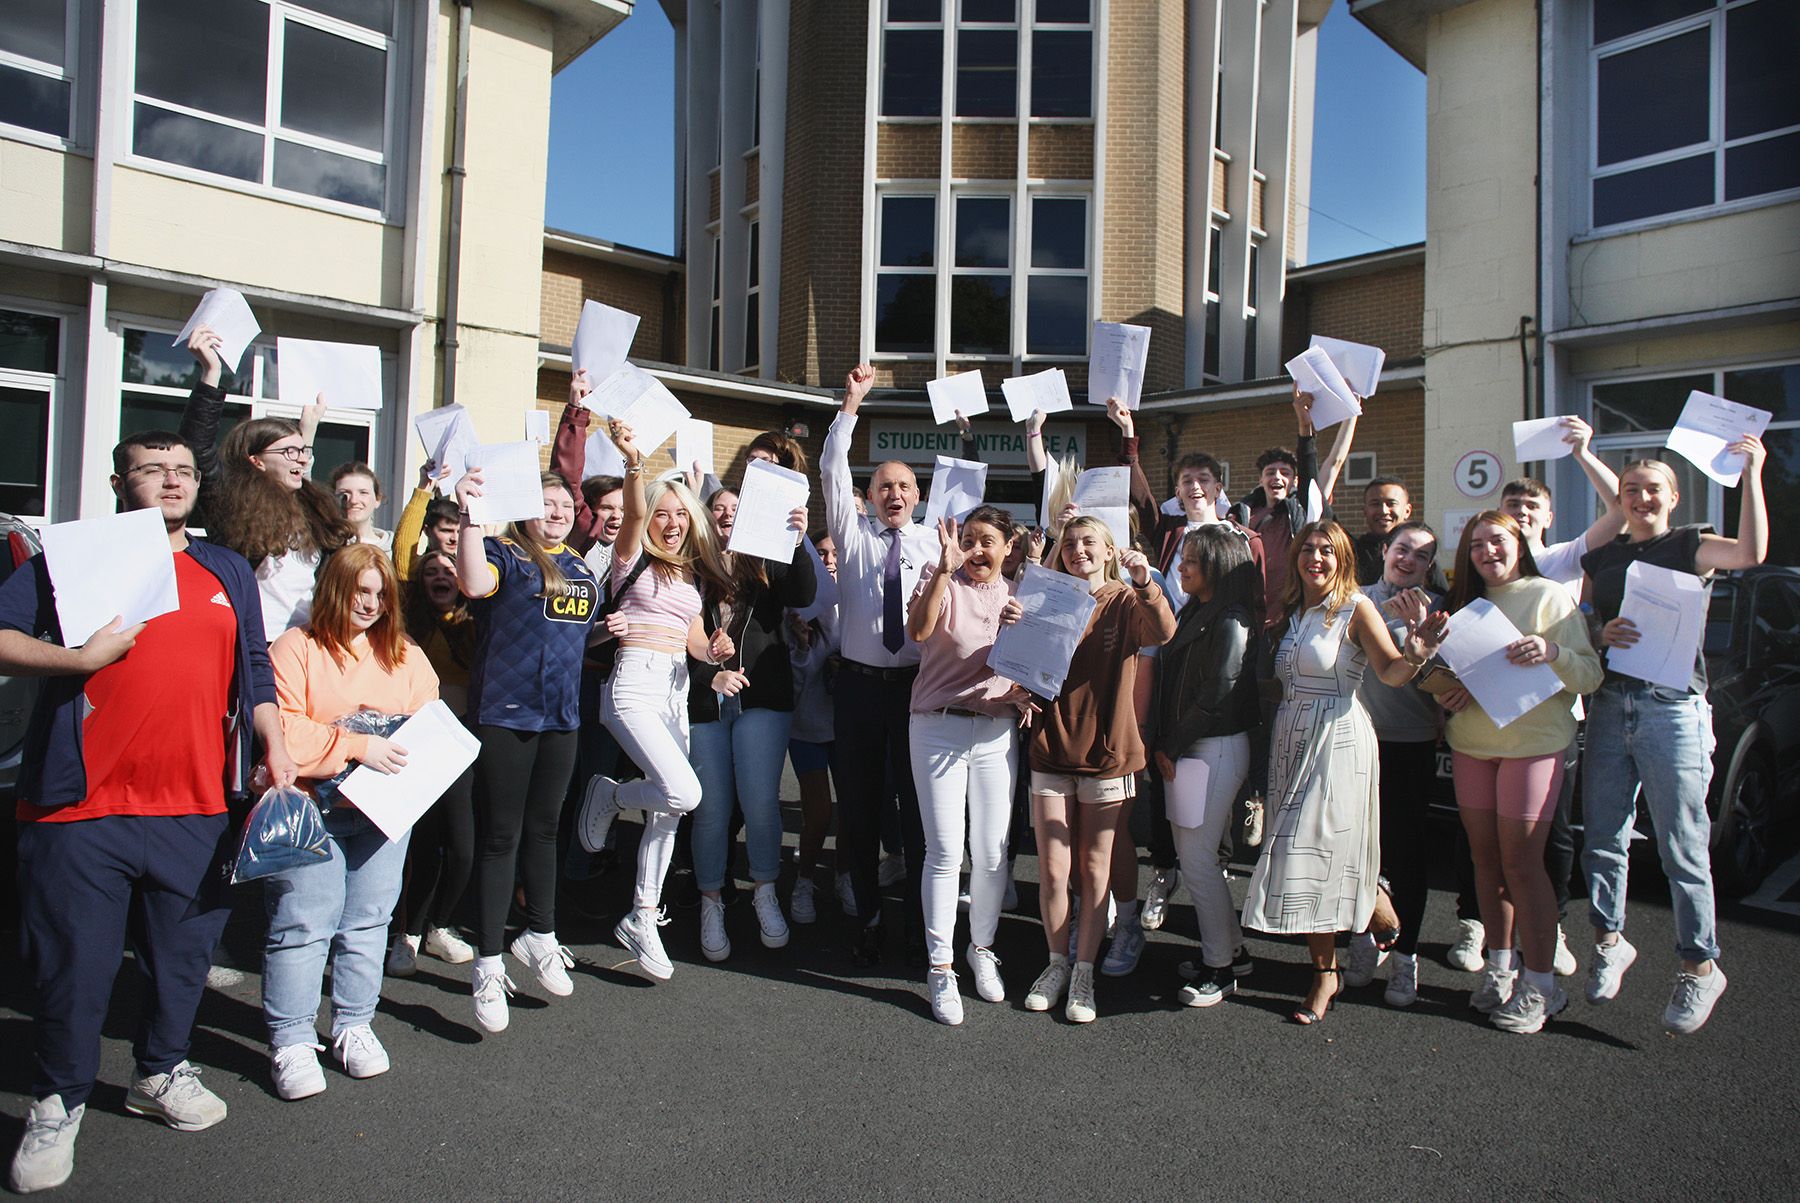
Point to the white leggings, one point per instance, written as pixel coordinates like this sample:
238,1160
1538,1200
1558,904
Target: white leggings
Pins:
963,767
645,707
1226,759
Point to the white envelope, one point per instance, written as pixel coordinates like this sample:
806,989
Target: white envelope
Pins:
1669,610
1358,363
963,390
347,375
642,402
957,487
769,494
1539,439
448,436
226,311
1047,391
119,565
602,340
438,749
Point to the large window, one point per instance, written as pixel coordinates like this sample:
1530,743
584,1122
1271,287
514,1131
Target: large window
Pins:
1062,59
30,376
906,276
38,48
1056,304
753,302
981,277
987,59
912,59
985,48
299,98
1694,105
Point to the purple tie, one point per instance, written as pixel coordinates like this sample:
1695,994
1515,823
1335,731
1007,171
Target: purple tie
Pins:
893,623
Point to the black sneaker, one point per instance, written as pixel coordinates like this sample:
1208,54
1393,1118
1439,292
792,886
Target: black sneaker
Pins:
1210,989
1241,964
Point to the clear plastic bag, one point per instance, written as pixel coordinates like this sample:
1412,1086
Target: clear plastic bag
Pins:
284,831
363,722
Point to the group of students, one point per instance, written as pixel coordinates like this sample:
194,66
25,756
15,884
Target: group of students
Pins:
1250,656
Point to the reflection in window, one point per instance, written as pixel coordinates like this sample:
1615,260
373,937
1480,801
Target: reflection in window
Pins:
981,280
36,82
1056,302
28,342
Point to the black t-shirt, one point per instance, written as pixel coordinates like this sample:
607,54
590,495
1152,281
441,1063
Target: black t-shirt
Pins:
1677,549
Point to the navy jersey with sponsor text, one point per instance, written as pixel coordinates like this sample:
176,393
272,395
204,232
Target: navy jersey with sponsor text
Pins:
528,649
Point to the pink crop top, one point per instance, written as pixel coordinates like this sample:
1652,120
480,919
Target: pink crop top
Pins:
657,606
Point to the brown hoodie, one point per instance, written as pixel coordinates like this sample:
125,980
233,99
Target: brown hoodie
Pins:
1091,728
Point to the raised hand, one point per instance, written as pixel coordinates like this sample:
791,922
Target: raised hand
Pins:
857,385
1136,566
469,486
204,344
1303,411
1753,451
1576,433
579,387
1035,423
1409,606
624,440
962,424
950,557
1120,417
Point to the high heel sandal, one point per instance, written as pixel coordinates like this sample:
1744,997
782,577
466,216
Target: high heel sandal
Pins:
1305,1016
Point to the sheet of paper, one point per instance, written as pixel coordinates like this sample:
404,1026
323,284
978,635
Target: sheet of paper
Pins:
1036,650
1358,363
963,390
1475,650
694,444
1116,363
1539,439
1332,398
642,402
601,458
1105,493
449,436
537,427
602,340
825,595
347,375
957,486
226,311
1047,390
511,486
438,749
1707,424
1669,610
1186,795
769,494
119,565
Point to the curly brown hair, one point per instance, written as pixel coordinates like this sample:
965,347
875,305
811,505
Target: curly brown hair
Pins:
259,517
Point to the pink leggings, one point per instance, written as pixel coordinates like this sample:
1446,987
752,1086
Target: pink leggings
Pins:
1525,788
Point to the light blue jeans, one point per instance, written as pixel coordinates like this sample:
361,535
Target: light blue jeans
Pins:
738,760
1664,738
337,909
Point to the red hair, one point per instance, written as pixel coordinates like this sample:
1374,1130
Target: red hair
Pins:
330,623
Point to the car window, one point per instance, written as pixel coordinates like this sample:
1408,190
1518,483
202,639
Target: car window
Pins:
1719,614
1777,618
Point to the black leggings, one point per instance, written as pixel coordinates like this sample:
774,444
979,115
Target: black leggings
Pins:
442,857
522,776
1408,774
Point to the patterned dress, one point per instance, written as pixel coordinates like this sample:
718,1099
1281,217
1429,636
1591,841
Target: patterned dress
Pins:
1323,851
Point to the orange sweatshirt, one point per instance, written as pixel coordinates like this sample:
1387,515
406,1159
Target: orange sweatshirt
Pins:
313,689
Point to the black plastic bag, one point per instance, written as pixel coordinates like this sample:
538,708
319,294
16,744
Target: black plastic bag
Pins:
284,831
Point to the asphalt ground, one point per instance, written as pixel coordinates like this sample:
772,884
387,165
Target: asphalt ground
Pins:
789,1074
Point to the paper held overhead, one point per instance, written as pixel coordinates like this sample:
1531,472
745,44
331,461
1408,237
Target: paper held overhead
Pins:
1539,439
537,427
119,565
448,436
770,495
1116,363
512,489
226,311
963,391
602,340
957,486
601,458
1332,398
1047,391
345,375
1358,363
1708,425
640,401
694,445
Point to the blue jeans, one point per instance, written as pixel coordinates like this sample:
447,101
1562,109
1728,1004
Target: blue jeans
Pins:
338,908
1664,738
738,760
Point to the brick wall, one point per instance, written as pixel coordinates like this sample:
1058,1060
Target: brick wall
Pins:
712,201
984,152
907,152
1382,308
752,178
570,279
1061,152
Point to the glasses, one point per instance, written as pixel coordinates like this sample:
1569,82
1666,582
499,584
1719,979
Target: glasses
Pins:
180,472
294,455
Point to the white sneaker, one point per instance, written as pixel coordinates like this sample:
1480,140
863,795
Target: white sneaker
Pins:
548,960
891,870
846,896
1692,1003
802,906
447,946
946,1002
1403,981
403,956
1208,988
985,967
1080,1007
359,1052
1156,899
769,919
177,1099
1606,972
1049,987
1495,988
599,807
1253,822
1565,965
295,1068
1528,1009
1364,959
46,1155
492,987
713,940
637,932
1466,953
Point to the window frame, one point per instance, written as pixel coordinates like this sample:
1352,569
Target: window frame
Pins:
715,352
69,72
1028,46
1027,272
52,384
944,29
753,298
946,260
953,63
908,190
1024,24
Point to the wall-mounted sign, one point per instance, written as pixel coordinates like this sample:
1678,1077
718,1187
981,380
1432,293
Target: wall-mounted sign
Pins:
917,442
1478,473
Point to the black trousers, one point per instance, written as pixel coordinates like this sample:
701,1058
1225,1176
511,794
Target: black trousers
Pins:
1408,774
442,857
522,776
872,752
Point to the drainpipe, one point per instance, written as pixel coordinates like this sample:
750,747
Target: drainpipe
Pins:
465,11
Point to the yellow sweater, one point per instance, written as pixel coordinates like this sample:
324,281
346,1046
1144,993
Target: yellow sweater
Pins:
1537,607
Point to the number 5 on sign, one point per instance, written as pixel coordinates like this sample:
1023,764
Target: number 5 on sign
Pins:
1478,473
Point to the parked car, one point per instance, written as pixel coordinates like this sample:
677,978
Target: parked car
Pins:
17,695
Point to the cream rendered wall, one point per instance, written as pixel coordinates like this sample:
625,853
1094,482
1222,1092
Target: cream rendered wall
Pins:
45,196
1710,263
1686,351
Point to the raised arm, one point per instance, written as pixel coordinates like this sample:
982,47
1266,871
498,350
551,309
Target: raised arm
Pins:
834,459
200,417
1611,521
1143,500
1390,663
927,602
411,526
568,459
971,446
474,575
631,530
1751,546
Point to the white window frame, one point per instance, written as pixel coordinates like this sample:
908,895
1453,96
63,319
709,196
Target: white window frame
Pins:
68,71
753,296
51,384
1025,272
394,109
945,30
1715,144
1360,467
715,350
920,190
1028,45
1213,301
946,259
952,57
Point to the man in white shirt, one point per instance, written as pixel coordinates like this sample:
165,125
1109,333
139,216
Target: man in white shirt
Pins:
880,558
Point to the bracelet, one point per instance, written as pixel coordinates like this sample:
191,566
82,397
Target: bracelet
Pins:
636,469
1034,434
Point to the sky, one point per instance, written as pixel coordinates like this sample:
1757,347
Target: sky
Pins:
612,140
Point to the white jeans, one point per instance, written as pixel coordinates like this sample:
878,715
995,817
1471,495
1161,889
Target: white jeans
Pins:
645,707
1227,761
963,767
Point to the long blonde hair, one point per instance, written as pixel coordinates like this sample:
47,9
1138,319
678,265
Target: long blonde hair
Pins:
555,583
699,551
1061,475
1088,521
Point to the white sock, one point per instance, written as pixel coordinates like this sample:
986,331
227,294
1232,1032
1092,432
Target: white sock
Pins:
1545,982
490,964
1057,958
1502,959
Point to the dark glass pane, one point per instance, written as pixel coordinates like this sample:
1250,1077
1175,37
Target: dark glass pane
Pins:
989,10
908,231
1209,359
28,342
1616,18
987,73
178,138
370,14
1781,493
712,355
1761,167
980,315
151,358
1776,389
1654,98
1760,93
1252,290
752,333
1250,346
333,445
34,101
1213,241
1056,320
1644,404
25,417
210,55
1063,12
755,254
983,232
905,313
715,275
147,411
35,29
912,73
1062,73
915,10
1648,191
333,87
334,177
1059,232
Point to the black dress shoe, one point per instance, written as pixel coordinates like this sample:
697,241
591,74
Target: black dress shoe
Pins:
869,943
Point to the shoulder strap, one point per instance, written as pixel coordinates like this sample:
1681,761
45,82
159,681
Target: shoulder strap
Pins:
609,601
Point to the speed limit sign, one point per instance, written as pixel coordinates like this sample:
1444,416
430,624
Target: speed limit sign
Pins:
1478,473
